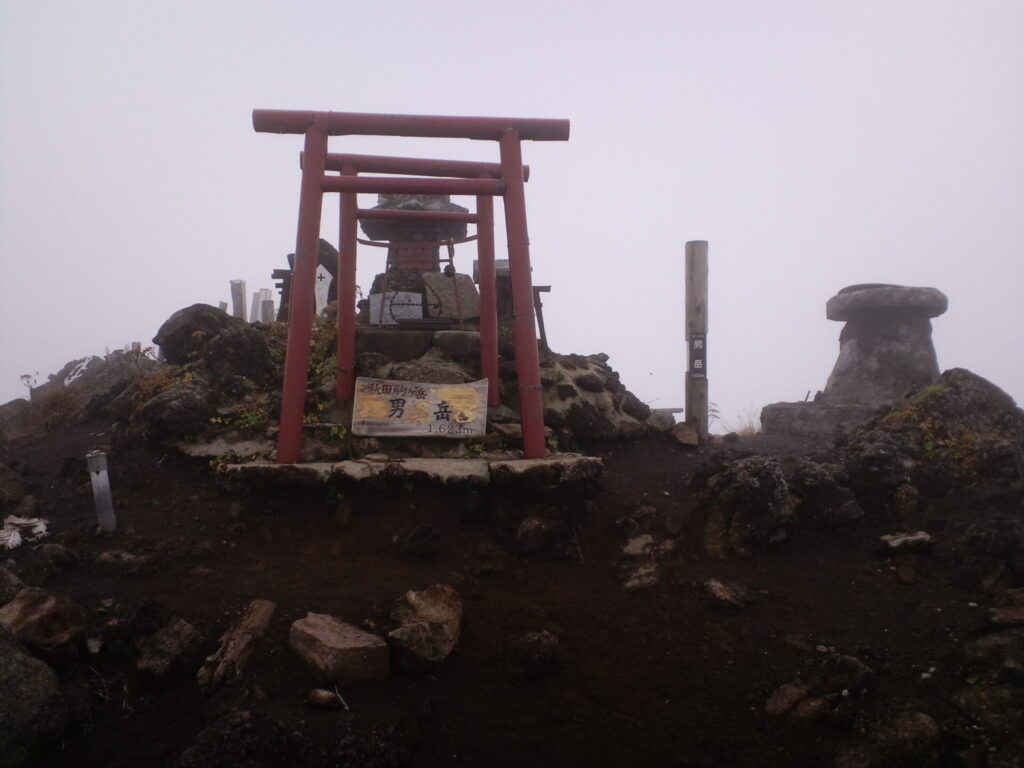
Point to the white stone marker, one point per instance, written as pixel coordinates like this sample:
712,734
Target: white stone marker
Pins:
96,461
238,298
254,307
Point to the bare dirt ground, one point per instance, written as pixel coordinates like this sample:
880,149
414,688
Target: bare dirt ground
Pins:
658,676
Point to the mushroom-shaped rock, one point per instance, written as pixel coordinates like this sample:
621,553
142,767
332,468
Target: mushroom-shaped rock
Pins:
858,301
885,348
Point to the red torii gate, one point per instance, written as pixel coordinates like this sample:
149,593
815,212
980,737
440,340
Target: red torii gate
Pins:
508,132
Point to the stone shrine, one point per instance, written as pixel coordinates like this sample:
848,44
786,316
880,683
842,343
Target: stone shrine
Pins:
415,245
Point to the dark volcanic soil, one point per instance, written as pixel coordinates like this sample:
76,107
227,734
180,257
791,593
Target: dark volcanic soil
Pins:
657,676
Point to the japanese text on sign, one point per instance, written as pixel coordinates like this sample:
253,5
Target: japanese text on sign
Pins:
699,355
400,408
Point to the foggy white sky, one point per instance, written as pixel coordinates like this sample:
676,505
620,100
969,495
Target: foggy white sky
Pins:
814,145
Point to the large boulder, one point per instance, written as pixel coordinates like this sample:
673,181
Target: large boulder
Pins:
237,351
177,412
184,334
429,623
948,434
750,506
825,499
990,553
32,709
19,418
225,346
336,651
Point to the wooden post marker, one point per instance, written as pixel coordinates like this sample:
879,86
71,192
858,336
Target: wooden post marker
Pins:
697,336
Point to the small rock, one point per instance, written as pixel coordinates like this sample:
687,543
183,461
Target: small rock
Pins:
910,735
644,512
10,586
838,673
1006,617
730,594
686,434
661,421
537,534
904,542
535,654
173,648
1002,652
201,548
999,707
810,710
786,697
646,575
429,626
321,698
639,546
906,574
134,565
48,624
590,382
423,542
336,651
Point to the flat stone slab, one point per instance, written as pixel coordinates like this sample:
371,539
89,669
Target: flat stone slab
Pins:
221,447
566,468
458,344
360,470
814,419
857,300
312,473
441,291
336,651
443,471
560,468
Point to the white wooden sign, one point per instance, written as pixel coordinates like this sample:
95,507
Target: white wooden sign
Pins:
322,287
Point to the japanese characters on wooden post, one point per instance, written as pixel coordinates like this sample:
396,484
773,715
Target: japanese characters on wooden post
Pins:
385,408
699,355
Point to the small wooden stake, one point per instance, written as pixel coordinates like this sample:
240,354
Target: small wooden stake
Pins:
236,645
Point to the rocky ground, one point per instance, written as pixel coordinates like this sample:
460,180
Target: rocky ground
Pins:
753,601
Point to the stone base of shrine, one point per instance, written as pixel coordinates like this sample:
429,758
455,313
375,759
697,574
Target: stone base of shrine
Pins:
380,471
815,419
